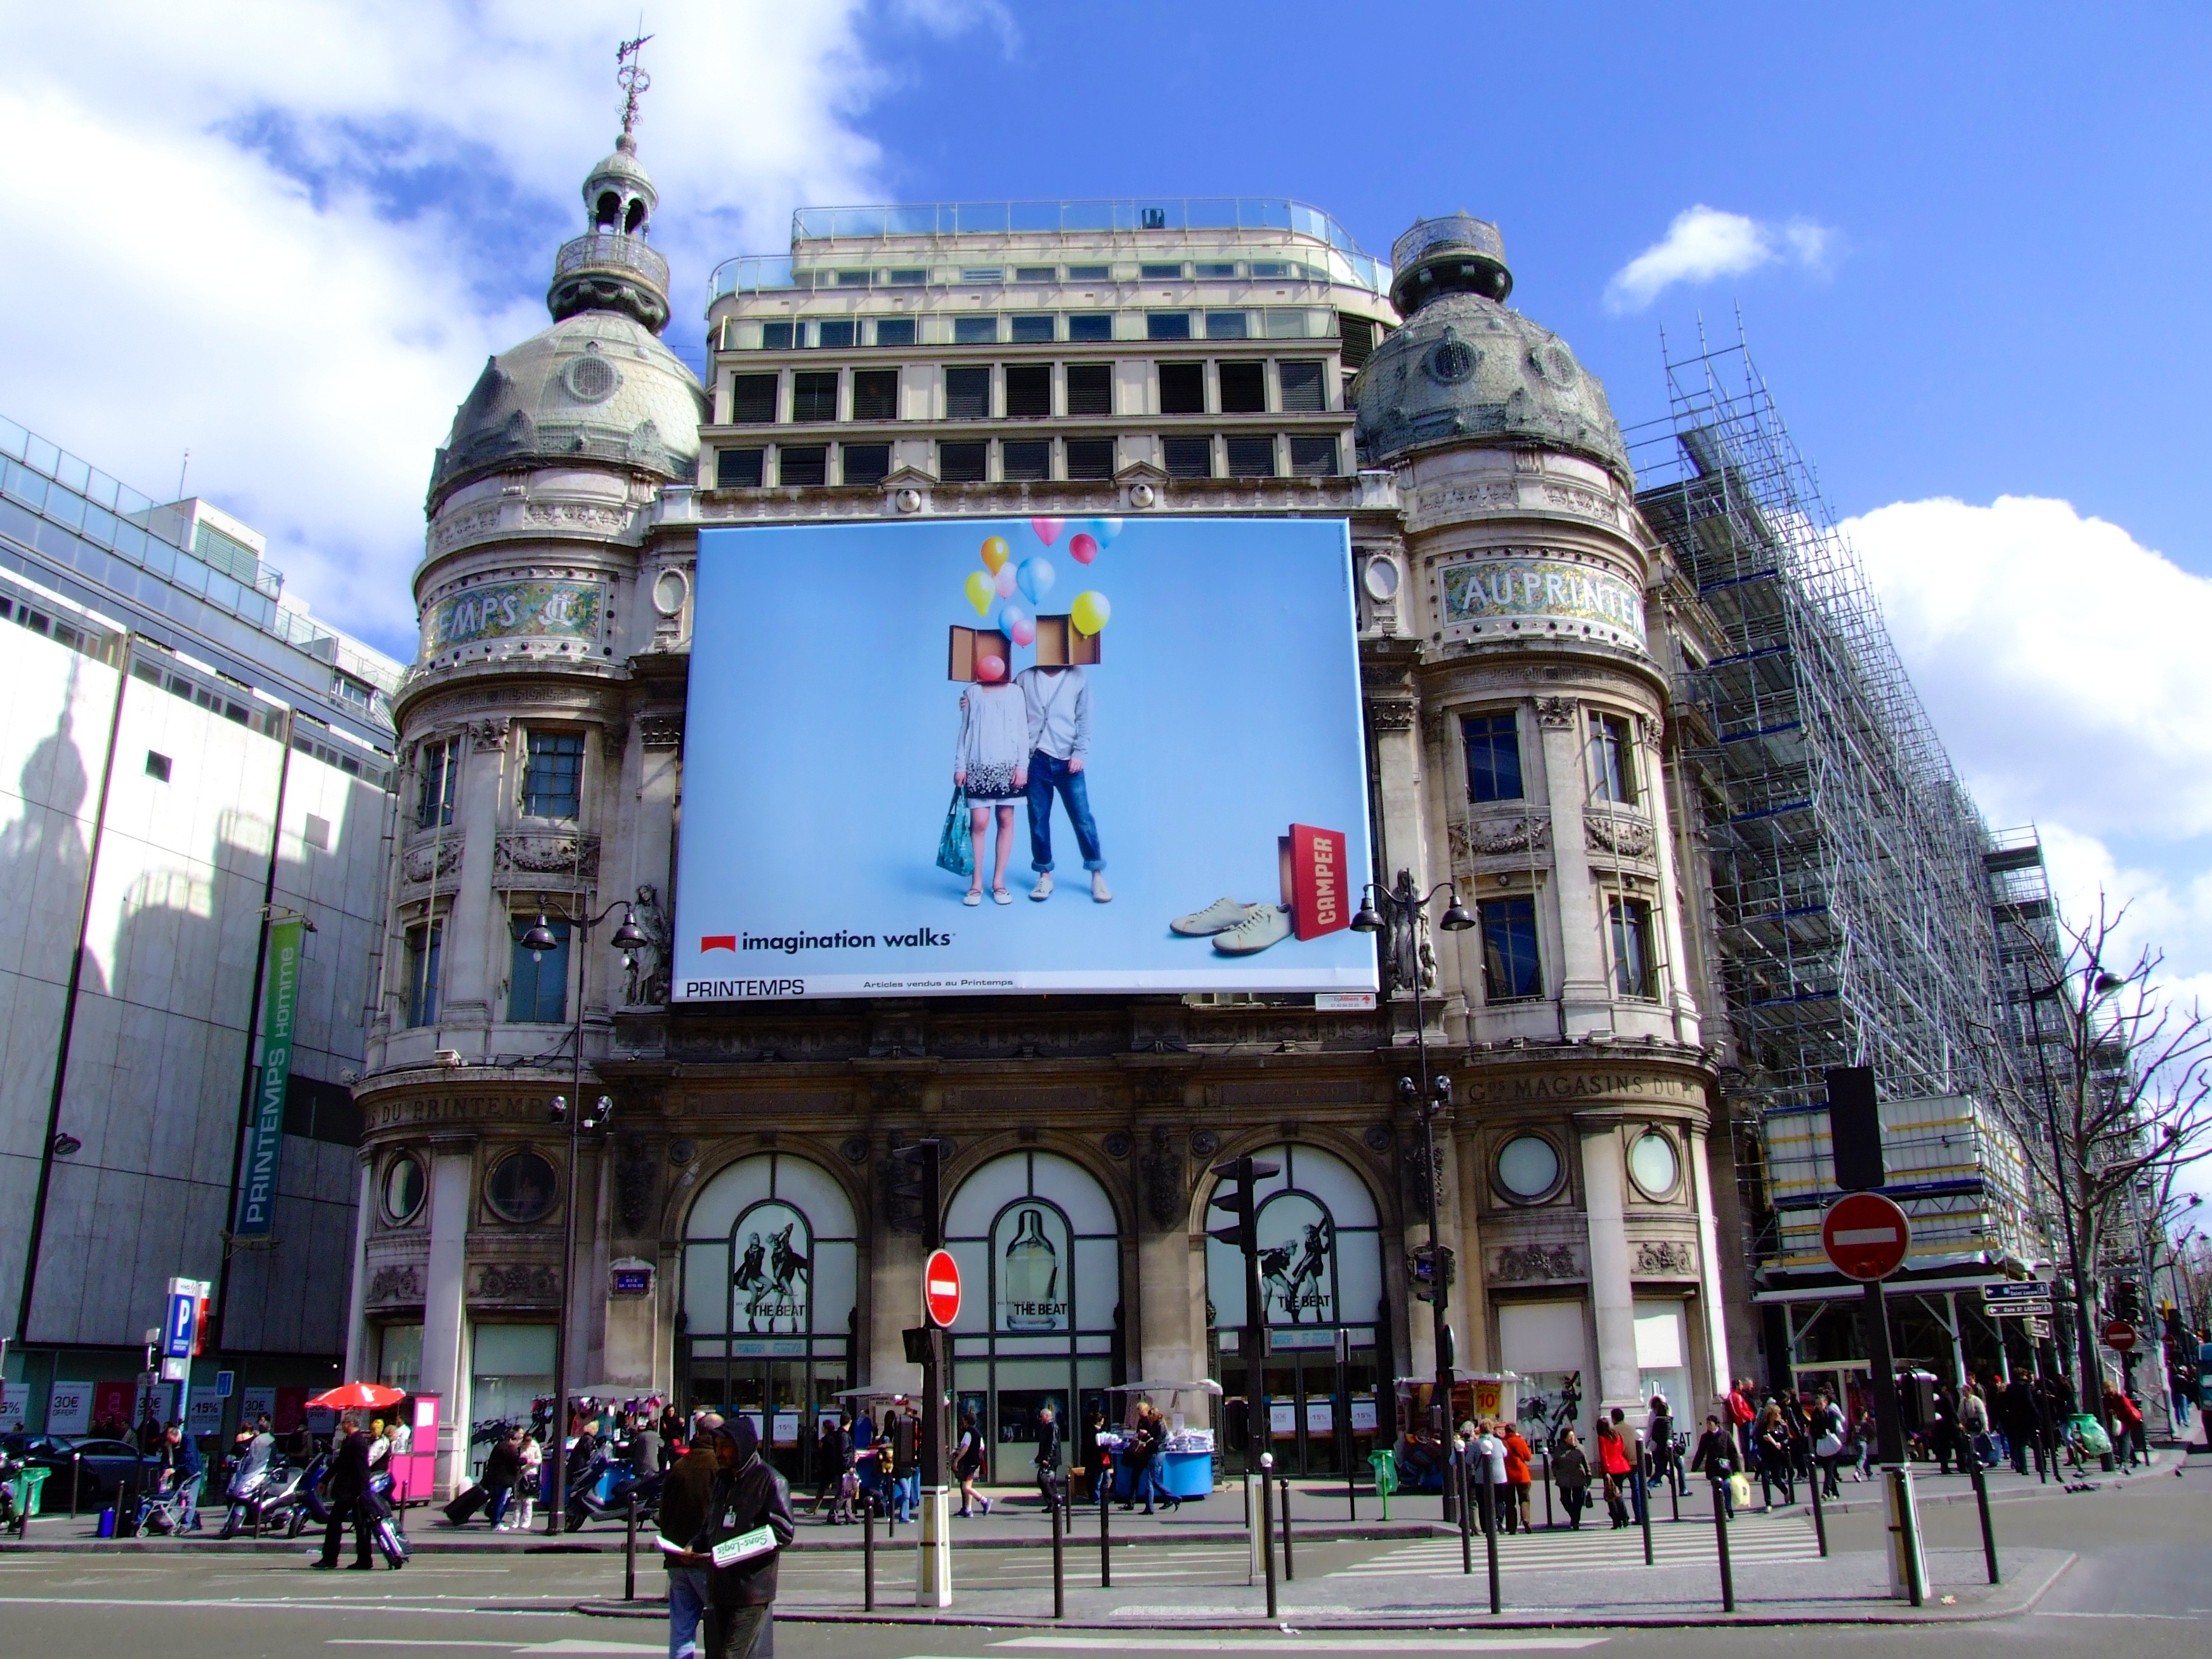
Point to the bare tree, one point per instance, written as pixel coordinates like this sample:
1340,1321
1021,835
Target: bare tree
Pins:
2127,1103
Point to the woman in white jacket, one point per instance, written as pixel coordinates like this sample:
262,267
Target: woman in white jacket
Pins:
991,764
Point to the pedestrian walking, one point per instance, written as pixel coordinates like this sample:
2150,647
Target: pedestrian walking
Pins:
180,1462
1741,1412
684,1498
1717,1455
967,1465
1613,1465
904,1434
2127,1417
1771,1446
1659,1440
833,1456
1974,1429
2016,1410
1828,1431
1571,1471
1517,1480
502,1468
1047,1455
348,1498
529,1482
748,1495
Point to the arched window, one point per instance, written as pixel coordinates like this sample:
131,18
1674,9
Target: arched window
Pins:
608,211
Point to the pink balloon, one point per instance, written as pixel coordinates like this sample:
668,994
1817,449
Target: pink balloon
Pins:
1082,549
1025,633
990,666
1004,583
1047,530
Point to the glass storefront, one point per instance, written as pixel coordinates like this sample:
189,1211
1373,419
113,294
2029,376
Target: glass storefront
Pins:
771,1267
510,1369
1323,1381
1040,1262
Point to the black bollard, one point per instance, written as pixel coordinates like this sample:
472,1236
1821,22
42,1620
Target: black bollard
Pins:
867,1553
1720,1533
1290,1571
1460,1491
77,1460
1674,1490
1981,1502
1106,1539
1267,1530
1490,1542
1820,1520
1642,1492
1548,1522
1059,1568
630,1549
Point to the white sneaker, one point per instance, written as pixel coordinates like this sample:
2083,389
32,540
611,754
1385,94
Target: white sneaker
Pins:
1098,889
1218,917
1268,924
1042,890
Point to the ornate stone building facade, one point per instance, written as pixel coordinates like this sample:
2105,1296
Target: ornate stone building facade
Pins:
739,1234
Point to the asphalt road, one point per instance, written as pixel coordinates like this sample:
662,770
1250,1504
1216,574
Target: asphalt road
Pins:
2141,1587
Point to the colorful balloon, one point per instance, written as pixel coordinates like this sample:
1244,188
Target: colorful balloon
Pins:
995,553
1023,632
1091,611
1013,614
1082,548
979,592
1036,577
990,666
1047,530
1106,530
1003,585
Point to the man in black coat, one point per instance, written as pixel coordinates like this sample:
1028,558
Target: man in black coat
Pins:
1047,1453
2022,1425
349,1496
748,1494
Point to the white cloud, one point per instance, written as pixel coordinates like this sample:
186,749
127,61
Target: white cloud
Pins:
286,236
1704,243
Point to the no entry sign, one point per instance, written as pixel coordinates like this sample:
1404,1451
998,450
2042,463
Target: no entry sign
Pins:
2120,1336
1865,1237
941,1287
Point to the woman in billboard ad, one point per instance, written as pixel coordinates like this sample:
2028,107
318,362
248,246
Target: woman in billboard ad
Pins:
1183,693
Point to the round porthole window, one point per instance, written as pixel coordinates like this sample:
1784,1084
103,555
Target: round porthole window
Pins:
1528,1167
1652,1164
591,378
403,1190
668,590
520,1187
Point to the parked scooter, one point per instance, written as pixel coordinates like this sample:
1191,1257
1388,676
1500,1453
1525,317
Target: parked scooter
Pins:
583,1507
314,1509
303,1502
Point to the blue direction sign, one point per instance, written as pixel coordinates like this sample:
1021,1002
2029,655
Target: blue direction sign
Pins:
2017,1290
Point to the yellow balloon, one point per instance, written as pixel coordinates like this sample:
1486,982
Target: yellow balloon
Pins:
981,593
1090,612
995,553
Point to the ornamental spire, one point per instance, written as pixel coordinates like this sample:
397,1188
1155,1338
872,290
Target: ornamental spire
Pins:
630,76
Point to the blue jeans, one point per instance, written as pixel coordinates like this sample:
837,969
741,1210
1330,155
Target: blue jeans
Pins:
906,1495
1047,773
686,1599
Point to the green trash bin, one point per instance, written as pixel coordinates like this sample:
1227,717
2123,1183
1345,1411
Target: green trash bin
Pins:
1384,1462
27,1485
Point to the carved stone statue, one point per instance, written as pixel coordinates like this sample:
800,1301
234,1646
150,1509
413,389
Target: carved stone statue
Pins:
648,966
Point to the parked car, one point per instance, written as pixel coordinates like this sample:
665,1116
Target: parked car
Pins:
102,1467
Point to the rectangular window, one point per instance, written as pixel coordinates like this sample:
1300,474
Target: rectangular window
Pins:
1090,325
1029,330
1167,326
1182,388
1036,273
1355,339
1313,458
433,800
814,397
865,463
1027,462
426,942
962,463
1251,458
1243,388
875,394
1158,272
1494,756
1091,273
983,274
894,330
802,463
552,773
907,278
853,278
967,394
1511,969
1188,458
1226,326
1029,391
1090,457
1302,388
775,336
1611,760
157,766
752,399
738,469
538,980
1270,267
833,333
1216,268
1091,388
1634,973
975,331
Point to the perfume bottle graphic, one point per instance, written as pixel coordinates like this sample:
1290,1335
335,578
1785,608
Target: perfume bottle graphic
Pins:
1031,1273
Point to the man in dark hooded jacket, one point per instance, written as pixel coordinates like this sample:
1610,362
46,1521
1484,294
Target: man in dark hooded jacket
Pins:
748,1494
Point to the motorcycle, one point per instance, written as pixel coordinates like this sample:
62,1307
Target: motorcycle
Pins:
583,1507
303,1502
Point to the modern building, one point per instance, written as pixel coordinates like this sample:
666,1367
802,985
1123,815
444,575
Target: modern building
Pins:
1517,628
186,756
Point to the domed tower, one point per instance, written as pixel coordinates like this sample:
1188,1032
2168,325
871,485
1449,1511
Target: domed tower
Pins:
538,730
1532,773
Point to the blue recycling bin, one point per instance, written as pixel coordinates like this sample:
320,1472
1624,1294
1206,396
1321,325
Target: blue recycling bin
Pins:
1188,1473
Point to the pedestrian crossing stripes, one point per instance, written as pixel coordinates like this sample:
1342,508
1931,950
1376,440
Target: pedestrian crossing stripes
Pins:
1673,1544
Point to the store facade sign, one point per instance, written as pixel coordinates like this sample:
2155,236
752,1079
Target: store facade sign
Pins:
535,610
1541,595
265,1132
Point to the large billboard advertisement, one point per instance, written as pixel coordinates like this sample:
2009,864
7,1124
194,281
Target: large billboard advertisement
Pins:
975,756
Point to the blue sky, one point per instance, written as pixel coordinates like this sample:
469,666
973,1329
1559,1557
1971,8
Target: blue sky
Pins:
1966,242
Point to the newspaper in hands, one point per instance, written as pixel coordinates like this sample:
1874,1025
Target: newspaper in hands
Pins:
743,1547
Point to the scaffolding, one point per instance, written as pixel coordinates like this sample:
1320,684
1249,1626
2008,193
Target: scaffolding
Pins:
1851,893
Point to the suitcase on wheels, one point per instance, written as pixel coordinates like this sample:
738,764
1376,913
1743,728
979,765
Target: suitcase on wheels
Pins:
466,1504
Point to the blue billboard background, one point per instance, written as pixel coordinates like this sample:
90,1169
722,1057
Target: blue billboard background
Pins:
820,745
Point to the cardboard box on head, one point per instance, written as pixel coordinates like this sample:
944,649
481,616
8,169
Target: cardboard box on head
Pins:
971,650
1061,644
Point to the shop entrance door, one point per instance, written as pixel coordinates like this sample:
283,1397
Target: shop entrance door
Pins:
1308,1396
782,1396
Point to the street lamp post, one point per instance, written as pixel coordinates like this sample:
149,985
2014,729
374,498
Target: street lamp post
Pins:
1397,911
629,939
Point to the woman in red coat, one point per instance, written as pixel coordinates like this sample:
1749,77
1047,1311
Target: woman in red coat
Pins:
1517,1480
1613,1461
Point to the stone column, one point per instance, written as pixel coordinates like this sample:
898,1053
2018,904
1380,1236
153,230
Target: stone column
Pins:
472,960
1681,997
1584,991
1714,1314
894,1294
1605,1179
444,1322
356,1326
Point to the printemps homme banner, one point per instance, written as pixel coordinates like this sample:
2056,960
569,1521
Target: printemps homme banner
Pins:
969,757
265,1133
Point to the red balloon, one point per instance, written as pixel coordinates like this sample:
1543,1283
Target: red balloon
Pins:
1083,547
991,666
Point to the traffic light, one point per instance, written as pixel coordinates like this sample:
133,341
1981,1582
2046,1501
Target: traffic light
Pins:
2127,1300
913,1190
1238,1176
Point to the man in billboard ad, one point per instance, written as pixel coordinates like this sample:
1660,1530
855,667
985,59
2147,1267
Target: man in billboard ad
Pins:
887,721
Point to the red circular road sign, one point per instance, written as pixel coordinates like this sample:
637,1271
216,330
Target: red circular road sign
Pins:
1865,1236
2120,1336
941,1287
